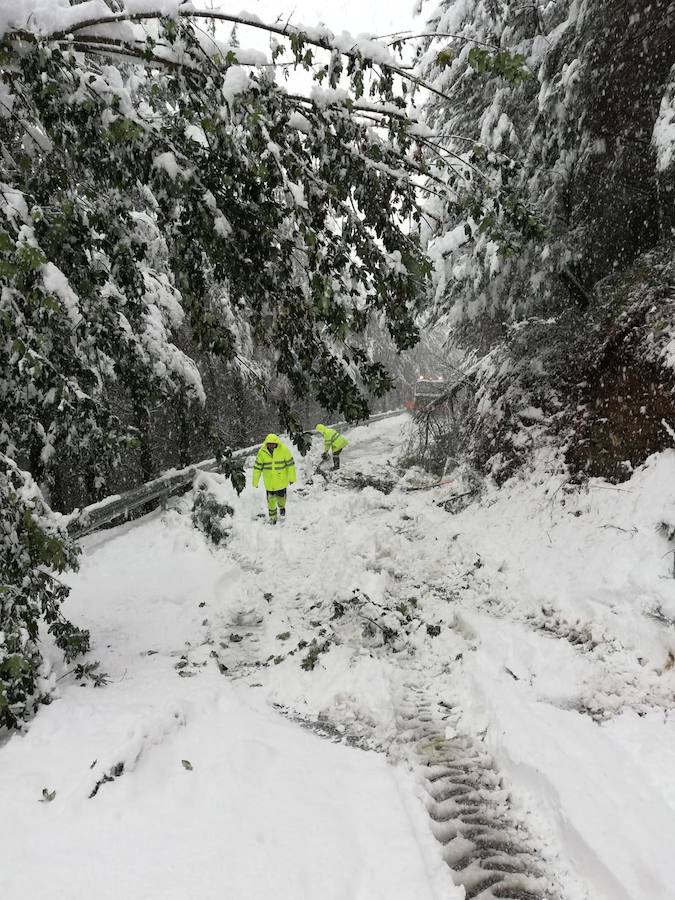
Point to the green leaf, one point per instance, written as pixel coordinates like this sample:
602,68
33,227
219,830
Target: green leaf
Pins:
445,57
186,764
13,667
510,66
30,257
479,59
8,269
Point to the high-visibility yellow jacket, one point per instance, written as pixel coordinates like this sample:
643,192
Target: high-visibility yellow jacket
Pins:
277,469
332,439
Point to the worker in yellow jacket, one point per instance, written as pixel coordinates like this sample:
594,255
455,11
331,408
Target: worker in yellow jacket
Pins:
275,463
332,440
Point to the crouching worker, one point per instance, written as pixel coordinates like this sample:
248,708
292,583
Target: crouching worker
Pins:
275,463
332,440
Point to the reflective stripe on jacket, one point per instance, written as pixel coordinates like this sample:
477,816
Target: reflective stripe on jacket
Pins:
332,439
277,469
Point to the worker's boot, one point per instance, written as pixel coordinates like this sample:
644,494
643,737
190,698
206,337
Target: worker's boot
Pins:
336,462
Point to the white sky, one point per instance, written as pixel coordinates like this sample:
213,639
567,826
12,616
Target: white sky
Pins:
374,17
355,16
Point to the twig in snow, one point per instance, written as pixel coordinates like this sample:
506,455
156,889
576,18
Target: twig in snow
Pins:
446,504
658,614
667,554
115,772
560,486
428,487
87,670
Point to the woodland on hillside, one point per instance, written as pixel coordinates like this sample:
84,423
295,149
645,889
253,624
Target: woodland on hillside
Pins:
572,334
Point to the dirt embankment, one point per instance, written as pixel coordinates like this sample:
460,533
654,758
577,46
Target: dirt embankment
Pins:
626,408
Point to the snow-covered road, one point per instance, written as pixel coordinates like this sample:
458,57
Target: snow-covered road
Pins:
515,644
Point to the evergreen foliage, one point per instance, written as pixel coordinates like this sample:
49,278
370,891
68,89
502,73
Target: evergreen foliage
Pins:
33,550
564,104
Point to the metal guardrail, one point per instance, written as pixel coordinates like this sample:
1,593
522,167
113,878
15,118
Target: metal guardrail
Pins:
91,518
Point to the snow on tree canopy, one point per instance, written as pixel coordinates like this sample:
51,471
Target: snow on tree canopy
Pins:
663,136
55,282
168,163
150,171
236,81
148,174
553,116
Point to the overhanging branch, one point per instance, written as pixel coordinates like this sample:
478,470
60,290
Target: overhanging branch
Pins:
323,41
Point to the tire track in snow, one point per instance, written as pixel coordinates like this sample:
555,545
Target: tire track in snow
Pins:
489,853
626,682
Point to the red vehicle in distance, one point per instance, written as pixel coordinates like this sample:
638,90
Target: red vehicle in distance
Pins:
427,389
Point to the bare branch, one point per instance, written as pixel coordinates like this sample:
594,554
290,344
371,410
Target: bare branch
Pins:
440,34
325,41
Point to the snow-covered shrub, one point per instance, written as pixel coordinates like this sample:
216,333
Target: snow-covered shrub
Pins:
32,548
210,514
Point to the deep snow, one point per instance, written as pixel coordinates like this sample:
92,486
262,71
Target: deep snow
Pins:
555,651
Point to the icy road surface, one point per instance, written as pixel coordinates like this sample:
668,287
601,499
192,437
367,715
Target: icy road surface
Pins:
187,775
